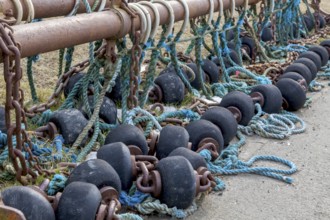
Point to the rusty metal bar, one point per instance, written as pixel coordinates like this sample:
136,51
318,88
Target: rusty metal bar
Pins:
59,33
46,8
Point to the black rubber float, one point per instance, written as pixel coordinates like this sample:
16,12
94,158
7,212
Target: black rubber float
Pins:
242,102
108,110
97,172
168,88
129,135
310,64
118,156
296,77
211,70
326,45
314,57
70,123
79,201
267,34
196,82
32,204
178,182
322,52
268,96
293,94
224,120
301,69
202,132
194,158
3,128
249,45
170,138
115,93
72,82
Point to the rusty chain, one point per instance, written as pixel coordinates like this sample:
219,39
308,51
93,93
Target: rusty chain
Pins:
14,101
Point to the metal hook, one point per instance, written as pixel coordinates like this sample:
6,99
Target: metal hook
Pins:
171,12
149,24
155,25
143,20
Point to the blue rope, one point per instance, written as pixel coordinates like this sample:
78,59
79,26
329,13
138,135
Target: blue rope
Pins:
131,200
56,184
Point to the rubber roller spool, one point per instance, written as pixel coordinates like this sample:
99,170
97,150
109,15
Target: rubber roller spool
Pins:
249,45
310,64
72,82
296,77
224,120
3,128
32,204
211,70
118,156
232,54
293,94
308,22
194,158
201,130
240,104
196,83
171,86
320,19
108,110
267,34
97,172
178,182
322,52
170,138
70,123
130,136
268,96
314,57
326,45
301,69
115,93
79,201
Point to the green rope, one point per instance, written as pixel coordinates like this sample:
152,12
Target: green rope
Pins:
60,62
30,79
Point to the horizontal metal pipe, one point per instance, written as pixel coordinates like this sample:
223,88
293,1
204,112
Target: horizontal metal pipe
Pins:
59,33
46,8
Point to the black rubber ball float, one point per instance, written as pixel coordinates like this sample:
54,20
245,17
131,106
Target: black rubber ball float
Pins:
196,82
224,120
293,94
178,182
32,204
211,70
320,20
108,110
310,64
242,102
301,69
201,130
268,96
249,45
322,52
194,158
3,128
171,86
115,93
326,45
118,156
70,123
312,56
97,172
170,138
79,201
72,82
309,23
232,54
296,77
129,135
267,34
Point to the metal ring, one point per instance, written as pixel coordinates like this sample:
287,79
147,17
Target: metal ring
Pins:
75,8
30,7
171,12
156,13
149,24
102,5
220,8
232,9
211,12
143,20
19,8
186,14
